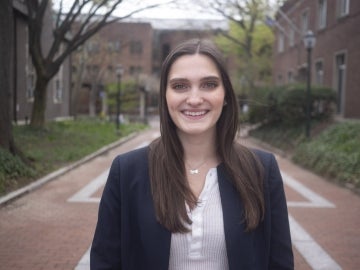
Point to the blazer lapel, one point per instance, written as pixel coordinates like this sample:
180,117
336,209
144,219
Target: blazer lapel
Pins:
239,244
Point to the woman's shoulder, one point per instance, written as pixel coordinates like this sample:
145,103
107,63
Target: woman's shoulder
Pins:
261,155
264,156
135,153
133,158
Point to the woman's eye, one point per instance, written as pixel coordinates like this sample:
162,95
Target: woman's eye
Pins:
179,86
210,85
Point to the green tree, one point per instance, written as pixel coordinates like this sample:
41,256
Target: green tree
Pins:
253,68
248,38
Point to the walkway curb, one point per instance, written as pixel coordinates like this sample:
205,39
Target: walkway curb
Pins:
52,176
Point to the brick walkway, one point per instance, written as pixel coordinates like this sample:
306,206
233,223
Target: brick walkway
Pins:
43,230
333,228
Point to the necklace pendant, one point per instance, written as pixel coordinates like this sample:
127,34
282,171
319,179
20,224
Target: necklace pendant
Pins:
196,171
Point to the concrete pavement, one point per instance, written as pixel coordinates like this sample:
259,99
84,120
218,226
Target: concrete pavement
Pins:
52,226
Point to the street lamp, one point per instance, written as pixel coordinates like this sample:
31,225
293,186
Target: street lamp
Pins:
309,43
119,72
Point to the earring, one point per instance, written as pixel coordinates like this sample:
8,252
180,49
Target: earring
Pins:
225,103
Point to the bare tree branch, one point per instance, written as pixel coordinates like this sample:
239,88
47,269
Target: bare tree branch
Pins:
85,17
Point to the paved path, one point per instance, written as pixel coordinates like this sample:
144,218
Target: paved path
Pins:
52,227
324,219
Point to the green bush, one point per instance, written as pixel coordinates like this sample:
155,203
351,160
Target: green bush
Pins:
288,104
334,153
12,168
261,103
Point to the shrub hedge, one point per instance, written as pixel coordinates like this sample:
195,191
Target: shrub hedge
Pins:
288,104
11,169
334,153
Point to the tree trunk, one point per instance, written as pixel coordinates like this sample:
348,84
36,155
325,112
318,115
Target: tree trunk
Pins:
6,74
39,106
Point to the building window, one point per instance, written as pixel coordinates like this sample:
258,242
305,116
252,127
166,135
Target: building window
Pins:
290,77
343,7
92,47
114,46
322,9
319,73
30,76
340,73
305,22
281,42
291,37
30,81
117,46
58,86
110,47
136,47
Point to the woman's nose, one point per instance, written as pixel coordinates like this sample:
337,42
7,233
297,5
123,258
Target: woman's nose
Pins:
194,97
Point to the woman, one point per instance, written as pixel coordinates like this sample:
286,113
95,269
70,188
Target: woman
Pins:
195,198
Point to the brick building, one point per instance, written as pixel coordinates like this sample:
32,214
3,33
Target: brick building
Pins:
336,55
169,33
95,65
139,47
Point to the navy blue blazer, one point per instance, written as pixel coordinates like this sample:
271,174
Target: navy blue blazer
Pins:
128,236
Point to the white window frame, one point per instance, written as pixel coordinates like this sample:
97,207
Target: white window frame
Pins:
343,8
291,37
319,72
322,13
58,87
281,42
305,21
30,79
341,99
290,77
58,84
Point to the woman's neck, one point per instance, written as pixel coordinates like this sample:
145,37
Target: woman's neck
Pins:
199,148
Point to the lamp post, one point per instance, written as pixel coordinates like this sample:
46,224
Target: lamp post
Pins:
309,43
119,72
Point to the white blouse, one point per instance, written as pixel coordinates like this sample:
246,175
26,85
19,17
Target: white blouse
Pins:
203,248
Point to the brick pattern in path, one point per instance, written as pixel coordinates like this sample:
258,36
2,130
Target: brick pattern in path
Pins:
42,230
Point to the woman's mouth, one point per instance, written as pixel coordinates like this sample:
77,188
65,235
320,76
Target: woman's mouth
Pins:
195,114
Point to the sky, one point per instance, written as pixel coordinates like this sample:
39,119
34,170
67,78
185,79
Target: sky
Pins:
185,9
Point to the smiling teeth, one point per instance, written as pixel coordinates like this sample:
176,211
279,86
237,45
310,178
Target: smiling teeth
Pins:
195,113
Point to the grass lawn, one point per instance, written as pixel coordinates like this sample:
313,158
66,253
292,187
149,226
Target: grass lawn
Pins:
59,144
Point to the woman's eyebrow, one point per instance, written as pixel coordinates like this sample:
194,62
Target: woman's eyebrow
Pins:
202,79
208,78
178,80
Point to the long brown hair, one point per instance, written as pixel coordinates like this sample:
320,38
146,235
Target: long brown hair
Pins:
169,187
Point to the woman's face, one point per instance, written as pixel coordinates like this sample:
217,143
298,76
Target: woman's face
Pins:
195,94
